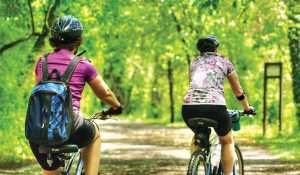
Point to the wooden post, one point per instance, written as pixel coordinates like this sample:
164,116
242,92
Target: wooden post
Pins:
280,100
276,72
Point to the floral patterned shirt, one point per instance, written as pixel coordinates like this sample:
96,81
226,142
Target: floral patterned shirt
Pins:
207,77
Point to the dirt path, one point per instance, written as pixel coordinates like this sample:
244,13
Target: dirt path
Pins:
136,149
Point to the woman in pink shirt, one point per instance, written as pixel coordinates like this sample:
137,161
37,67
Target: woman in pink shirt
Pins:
65,39
205,97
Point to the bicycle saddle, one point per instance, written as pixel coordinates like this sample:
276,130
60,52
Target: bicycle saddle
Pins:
69,148
202,122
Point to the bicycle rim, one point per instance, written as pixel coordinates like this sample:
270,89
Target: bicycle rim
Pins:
238,168
197,164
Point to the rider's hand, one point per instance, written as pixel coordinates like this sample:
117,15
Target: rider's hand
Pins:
250,111
115,111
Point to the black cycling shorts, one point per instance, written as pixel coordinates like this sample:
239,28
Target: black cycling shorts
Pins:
82,137
218,113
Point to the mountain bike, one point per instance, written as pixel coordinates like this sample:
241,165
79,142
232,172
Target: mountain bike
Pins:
70,153
202,162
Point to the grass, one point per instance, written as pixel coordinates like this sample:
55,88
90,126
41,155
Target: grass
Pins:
286,144
287,147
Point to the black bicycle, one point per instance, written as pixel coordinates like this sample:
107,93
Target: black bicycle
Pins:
70,153
202,162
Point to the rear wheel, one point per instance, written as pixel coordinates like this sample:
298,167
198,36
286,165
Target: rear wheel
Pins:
197,164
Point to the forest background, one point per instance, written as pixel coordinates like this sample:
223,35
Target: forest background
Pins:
142,49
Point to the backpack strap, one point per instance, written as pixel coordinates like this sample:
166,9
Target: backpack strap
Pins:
45,72
70,69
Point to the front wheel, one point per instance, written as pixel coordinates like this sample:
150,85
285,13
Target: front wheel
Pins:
238,164
197,164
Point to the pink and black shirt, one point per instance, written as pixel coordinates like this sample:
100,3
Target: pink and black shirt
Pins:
207,76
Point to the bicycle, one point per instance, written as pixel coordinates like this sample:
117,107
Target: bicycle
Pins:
70,152
201,160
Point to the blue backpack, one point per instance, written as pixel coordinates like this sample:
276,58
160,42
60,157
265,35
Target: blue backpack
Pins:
49,116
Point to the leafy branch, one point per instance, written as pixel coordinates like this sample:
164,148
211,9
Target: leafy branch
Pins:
49,15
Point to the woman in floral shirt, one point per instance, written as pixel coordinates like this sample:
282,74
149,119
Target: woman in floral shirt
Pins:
205,96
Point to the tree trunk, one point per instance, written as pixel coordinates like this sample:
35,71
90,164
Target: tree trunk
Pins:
155,96
179,29
128,107
293,35
40,42
170,77
49,18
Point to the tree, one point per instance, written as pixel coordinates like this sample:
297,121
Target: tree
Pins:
294,39
48,18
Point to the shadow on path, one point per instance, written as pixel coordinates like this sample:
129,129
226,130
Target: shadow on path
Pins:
130,148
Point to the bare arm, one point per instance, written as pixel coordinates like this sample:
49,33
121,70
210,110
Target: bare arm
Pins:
237,89
103,92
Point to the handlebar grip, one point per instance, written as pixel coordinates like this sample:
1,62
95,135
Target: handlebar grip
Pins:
105,112
249,112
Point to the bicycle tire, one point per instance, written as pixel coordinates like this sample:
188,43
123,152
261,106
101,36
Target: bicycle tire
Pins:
215,170
240,160
197,164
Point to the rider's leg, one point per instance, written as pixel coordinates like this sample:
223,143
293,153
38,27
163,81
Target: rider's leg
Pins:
55,172
227,153
91,154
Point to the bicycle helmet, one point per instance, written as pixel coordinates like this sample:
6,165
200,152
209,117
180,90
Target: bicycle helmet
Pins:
67,25
207,44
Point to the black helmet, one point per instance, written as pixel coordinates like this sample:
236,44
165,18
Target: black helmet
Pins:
207,44
67,25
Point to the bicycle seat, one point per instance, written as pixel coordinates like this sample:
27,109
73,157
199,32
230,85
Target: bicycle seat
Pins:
202,122
69,148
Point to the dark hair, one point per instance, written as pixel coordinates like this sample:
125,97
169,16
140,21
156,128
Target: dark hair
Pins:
204,45
60,41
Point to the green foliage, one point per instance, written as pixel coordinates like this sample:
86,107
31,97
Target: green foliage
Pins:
294,45
285,146
130,43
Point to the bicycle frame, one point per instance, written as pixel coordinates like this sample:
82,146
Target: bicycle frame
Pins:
204,142
71,162
213,141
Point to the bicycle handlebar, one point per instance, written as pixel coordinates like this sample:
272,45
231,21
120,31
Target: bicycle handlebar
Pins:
107,113
240,113
102,115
